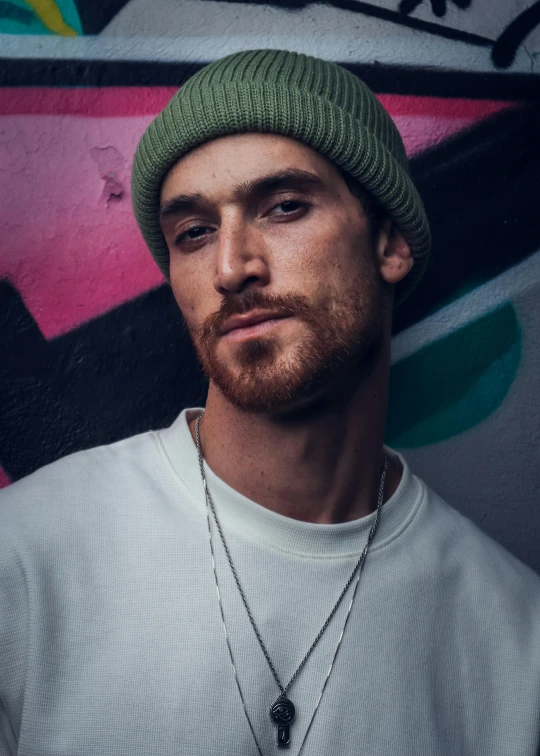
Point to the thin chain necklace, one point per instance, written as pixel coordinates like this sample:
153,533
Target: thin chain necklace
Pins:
282,710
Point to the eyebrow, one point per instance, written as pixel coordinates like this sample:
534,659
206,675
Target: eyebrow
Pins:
291,178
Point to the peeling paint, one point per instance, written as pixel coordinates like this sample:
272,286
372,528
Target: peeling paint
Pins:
112,190
110,164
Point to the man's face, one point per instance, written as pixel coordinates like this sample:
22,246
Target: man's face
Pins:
297,248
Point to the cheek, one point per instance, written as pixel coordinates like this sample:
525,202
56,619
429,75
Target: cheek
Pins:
183,290
194,294
330,260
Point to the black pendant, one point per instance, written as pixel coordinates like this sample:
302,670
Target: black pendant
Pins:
282,712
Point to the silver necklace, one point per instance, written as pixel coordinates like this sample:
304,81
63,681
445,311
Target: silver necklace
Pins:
282,710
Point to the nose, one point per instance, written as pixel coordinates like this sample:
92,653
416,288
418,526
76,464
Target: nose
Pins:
241,256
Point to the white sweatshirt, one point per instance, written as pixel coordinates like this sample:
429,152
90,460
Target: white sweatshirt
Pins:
112,644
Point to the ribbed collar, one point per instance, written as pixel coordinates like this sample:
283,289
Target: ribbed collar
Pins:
276,531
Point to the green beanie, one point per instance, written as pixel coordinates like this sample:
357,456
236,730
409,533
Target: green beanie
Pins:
315,101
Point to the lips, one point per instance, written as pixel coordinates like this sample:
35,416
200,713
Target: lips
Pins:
251,319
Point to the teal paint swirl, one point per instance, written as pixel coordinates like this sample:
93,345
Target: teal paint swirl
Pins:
455,383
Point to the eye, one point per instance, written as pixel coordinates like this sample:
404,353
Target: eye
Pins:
183,236
286,204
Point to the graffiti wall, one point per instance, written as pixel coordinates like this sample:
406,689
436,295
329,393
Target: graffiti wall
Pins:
92,348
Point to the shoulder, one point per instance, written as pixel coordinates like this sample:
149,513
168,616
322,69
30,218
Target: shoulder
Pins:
73,487
481,574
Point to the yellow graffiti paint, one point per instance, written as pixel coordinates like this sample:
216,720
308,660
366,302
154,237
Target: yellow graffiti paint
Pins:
50,16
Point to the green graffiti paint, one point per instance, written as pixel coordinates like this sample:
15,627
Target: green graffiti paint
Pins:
455,383
58,17
15,14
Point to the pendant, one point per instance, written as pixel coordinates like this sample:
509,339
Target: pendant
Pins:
282,712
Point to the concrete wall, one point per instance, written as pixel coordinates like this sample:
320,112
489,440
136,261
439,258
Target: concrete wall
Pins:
91,342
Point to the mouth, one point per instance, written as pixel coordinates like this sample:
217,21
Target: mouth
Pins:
250,322
237,330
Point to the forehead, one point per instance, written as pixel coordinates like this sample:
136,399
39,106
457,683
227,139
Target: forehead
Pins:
228,161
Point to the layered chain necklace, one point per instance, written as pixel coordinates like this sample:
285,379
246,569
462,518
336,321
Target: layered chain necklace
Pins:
282,711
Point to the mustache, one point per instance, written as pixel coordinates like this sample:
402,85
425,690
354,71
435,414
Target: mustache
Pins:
253,299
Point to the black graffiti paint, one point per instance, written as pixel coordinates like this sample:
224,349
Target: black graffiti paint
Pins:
506,46
437,6
479,191
120,374
396,79
375,11
95,16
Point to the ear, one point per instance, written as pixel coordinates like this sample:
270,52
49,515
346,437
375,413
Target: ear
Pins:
394,258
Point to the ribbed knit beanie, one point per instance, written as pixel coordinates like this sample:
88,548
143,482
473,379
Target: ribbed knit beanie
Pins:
315,101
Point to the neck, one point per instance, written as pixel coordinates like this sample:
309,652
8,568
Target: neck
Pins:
321,464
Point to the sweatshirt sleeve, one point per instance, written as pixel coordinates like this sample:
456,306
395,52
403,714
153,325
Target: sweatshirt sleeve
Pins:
8,742
14,613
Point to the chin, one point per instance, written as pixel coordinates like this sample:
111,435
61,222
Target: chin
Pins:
299,385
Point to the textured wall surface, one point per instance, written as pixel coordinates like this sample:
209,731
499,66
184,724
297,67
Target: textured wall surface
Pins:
91,346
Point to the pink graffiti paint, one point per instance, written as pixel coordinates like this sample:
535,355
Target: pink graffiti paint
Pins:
426,121
70,244
4,478
118,102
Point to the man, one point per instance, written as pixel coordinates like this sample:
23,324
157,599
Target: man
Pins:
355,611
